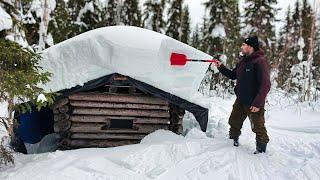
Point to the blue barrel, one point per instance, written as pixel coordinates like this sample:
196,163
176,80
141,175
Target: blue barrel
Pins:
35,125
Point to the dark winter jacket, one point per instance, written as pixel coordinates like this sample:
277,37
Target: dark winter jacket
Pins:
253,78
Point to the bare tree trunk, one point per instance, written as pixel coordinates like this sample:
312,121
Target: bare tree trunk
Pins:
44,26
283,53
10,116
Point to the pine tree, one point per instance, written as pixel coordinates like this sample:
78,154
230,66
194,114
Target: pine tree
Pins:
185,26
113,14
95,15
76,9
260,19
75,6
62,26
284,58
216,22
17,32
20,78
131,14
306,21
196,38
88,14
233,38
153,15
174,19
302,71
316,64
223,37
30,24
205,36
31,19
296,32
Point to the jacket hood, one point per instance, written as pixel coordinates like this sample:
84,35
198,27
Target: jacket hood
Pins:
255,55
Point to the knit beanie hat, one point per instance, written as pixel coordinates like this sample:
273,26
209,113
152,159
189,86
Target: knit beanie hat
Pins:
253,42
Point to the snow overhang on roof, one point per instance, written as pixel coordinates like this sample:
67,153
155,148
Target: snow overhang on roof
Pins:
136,52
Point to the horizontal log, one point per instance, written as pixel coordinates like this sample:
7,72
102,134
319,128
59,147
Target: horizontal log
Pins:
64,144
122,112
65,134
100,128
100,143
107,136
55,111
117,105
63,109
61,117
104,119
60,103
123,98
61,126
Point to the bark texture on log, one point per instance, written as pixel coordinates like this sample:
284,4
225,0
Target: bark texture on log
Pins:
94,136
104,119
61,117
90,119
122,112
63,109
117,98
62,126
89,104
60,103
103,128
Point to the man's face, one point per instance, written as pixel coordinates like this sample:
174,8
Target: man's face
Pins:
246,49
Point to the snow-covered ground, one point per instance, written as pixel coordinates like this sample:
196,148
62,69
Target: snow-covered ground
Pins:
293,151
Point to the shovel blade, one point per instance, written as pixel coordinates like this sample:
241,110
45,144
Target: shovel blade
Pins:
178,59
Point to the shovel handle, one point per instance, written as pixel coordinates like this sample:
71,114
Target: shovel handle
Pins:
200,60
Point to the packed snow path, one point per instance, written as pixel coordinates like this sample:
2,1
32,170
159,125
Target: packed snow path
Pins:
293,152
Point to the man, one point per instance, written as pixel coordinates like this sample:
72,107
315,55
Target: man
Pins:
253,84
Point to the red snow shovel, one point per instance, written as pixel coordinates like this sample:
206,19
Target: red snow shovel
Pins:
181,59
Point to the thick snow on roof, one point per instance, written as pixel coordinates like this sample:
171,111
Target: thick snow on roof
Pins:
139,53
5,20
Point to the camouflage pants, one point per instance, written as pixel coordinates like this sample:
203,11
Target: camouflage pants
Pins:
239,114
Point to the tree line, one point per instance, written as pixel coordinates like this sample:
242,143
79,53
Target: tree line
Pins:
294,53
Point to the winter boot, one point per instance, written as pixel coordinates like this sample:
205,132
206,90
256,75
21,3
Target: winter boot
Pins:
260,148
235,140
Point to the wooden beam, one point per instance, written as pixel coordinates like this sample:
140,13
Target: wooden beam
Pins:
122,98
61,126
107,136
104,119
63,109
59,103
117,105
61,117
100,128
122,112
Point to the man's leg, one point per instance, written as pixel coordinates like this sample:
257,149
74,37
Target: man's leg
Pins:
236,119
257,125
